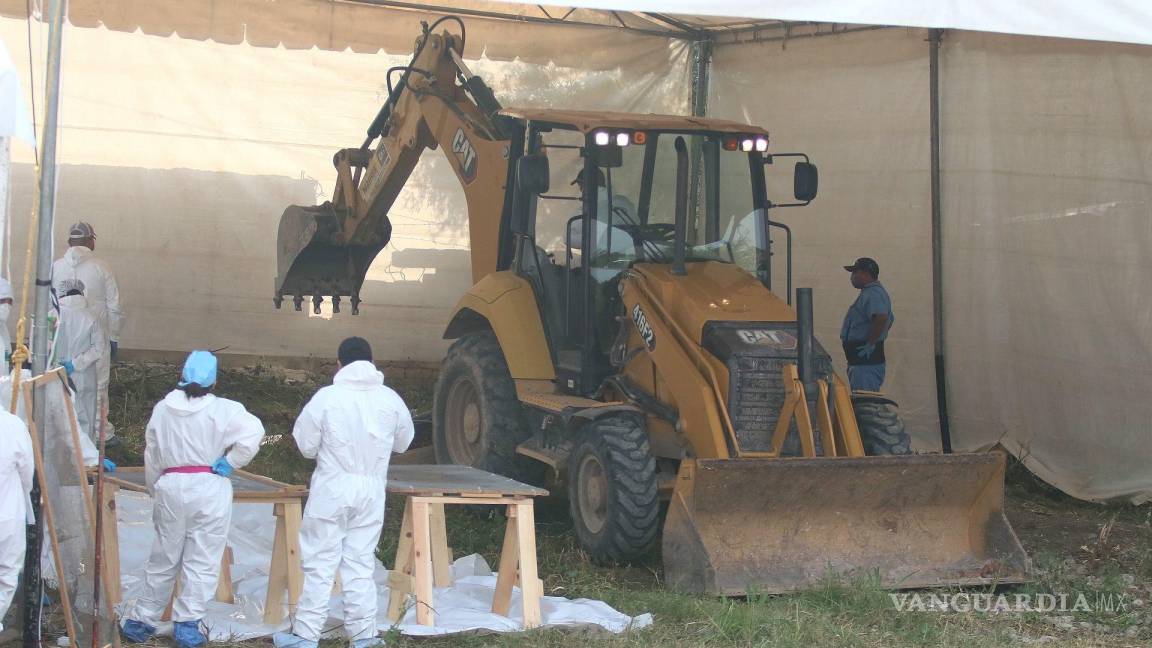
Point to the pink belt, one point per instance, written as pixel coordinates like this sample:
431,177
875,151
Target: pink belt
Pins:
188,469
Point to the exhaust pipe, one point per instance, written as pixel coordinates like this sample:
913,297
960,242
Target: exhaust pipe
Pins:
804,334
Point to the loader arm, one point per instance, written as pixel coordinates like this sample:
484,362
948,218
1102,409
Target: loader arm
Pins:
326,250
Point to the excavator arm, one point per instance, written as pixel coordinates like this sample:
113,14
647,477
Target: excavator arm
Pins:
325,250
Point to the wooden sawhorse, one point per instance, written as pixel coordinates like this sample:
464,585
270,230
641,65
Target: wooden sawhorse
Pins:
423,559
284,574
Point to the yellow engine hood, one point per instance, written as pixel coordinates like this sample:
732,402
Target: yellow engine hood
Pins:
712,292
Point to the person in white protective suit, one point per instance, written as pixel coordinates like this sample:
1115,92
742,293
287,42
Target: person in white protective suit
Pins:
193,442
351,428
79,345
103,295
5,335
16,468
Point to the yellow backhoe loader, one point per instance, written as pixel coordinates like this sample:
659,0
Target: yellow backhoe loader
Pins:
623,339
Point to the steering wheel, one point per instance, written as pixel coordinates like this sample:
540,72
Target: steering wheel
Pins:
652,232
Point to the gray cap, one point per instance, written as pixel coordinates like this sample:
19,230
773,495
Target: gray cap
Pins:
81,230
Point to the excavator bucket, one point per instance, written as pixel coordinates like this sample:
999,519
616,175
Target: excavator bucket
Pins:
312,260
740,526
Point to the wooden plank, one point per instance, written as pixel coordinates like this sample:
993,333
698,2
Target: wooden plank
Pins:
245,485
509,564
277,572
824,420
224,592
293,517
167,615
451,499
111,534
429,479
531,590
441,554
400,576
422,541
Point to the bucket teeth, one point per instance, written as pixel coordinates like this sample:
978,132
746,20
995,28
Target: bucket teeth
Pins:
317,300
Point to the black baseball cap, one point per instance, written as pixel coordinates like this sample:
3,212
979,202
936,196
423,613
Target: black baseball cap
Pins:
867,265
580,177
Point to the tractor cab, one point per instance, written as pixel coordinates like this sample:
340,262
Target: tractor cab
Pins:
598,195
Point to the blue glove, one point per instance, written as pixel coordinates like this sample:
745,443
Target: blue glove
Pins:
67,364
115,348
109,467
866,351
222,467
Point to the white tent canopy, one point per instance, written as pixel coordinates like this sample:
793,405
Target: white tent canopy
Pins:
1121,21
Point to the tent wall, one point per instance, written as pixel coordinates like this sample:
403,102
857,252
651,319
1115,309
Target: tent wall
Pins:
1047,185
183,153
1048,196
858,105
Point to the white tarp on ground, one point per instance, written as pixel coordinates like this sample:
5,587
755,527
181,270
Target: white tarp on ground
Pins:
1047,190
463,607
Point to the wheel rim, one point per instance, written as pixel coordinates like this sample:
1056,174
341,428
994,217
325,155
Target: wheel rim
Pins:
592,493
464,423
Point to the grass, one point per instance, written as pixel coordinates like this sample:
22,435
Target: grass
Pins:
1077,547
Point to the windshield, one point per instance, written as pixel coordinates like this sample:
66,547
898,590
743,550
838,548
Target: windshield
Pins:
636,202
638,199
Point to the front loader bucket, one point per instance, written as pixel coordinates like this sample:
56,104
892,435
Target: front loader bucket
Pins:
739,526
313,260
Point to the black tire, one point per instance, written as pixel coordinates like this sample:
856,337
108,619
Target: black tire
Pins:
612,495
477,419
881,429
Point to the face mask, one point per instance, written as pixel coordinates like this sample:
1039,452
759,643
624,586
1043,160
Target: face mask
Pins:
5,310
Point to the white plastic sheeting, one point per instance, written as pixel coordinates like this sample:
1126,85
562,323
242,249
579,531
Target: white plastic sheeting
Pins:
463,607
1047,253
183,154
858,105
1047,190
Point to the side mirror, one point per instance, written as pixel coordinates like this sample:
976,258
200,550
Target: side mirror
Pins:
805,181
532,173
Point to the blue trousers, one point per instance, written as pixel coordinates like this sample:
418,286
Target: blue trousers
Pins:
866,377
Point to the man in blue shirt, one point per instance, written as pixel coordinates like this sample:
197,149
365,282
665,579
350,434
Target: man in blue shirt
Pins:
866,327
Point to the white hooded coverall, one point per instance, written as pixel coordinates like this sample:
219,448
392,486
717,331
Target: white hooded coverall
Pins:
16,466
79,338
190,511
351,428
103,297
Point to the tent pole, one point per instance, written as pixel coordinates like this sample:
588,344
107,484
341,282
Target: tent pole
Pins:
701,64
32,584
934,36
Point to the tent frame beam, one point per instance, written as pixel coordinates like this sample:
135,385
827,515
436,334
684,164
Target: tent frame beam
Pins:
663,25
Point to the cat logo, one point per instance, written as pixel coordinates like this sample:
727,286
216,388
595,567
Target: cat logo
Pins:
643,327
760,337
465,155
